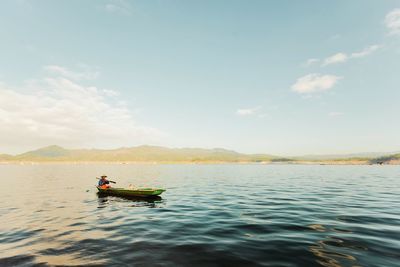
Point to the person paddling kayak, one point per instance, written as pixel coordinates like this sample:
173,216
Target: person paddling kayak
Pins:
103,182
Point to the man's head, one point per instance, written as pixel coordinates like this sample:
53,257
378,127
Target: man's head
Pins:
103,176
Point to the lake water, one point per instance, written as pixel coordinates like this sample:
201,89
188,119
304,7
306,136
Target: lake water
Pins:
210,215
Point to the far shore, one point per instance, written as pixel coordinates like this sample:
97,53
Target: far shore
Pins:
163,155
311,162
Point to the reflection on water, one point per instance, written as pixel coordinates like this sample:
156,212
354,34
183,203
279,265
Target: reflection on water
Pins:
150,202
331,258
210,215
327,251
317,227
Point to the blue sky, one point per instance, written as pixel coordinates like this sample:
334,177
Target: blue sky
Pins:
277,77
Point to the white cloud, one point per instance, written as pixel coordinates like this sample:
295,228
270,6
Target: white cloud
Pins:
335,114
392,21
343,57
336,58
56,110
248,111
311,61
366,51
86,73
119,7
314,82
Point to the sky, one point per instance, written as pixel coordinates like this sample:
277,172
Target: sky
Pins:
275,77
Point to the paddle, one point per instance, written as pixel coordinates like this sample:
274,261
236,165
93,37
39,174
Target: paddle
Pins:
107,180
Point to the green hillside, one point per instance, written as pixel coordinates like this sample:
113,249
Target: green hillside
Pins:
49,152
183,155
139,154
386,159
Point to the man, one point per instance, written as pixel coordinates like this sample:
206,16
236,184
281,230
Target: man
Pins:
103,182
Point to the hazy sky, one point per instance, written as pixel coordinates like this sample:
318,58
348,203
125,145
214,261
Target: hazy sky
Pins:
278,77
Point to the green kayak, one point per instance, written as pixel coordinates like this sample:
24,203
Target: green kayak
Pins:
137,192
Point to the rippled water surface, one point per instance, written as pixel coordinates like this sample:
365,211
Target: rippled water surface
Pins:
210,215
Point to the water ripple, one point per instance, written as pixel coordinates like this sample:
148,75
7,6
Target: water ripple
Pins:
210,215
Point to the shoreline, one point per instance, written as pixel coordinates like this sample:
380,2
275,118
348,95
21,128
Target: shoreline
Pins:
338,162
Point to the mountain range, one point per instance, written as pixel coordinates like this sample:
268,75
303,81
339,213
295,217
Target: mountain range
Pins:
184,155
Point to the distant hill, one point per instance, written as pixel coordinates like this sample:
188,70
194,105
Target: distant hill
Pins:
390,159
186,155
49,152
367,155
139,154
4,157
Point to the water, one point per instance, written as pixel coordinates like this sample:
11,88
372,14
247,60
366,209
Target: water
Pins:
210,215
